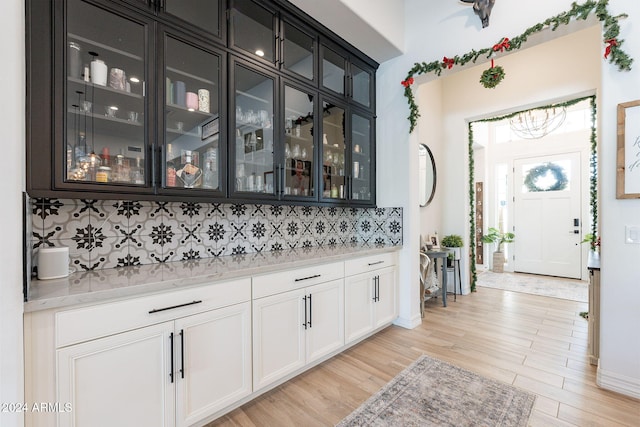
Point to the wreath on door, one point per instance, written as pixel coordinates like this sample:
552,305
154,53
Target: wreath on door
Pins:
535,173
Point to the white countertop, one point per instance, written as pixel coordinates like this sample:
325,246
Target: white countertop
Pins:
123,282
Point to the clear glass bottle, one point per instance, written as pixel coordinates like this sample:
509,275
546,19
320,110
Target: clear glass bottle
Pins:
189,173
209,178
137,172
171,168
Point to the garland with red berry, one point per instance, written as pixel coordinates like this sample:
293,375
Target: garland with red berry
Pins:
494,75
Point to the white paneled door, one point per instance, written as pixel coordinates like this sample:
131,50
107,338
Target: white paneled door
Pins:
547,215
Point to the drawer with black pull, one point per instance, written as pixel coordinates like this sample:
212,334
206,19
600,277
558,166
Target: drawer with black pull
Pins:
275,283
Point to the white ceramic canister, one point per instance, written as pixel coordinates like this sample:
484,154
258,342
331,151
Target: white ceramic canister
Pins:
99,72
53,262
203,100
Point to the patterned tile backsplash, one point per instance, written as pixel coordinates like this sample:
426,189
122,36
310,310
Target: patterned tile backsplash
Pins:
106,234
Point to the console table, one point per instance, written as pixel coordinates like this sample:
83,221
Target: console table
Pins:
443,259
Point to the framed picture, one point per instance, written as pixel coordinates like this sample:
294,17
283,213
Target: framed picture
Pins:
433,240
210,128
628,161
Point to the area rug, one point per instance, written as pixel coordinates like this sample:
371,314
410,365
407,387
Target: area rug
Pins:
431,392
548,286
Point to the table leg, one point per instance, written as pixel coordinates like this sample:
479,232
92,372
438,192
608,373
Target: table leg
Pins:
444,281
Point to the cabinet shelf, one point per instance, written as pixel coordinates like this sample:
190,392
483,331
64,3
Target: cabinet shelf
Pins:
191,76
80,85
104,46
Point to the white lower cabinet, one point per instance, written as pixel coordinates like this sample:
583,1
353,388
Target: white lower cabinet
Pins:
184,357
121,380
294,328
174,373
214,352
371,301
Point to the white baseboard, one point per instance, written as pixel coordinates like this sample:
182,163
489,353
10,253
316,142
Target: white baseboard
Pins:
408,323
619,383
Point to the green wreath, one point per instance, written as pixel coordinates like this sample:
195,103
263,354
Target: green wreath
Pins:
540,171
491,77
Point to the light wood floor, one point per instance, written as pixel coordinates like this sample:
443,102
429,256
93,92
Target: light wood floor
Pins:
533,342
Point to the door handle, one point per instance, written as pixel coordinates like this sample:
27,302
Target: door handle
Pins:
574,232
304,299
182,353
310,312
171,367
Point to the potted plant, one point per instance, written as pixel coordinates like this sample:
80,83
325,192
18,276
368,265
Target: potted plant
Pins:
496,236
453,242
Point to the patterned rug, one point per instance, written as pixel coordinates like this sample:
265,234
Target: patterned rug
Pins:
548,286
431,392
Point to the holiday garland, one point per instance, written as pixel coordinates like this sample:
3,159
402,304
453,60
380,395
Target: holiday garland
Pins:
531,180
593,177
613,51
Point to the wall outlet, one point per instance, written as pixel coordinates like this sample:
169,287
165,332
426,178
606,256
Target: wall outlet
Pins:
632,234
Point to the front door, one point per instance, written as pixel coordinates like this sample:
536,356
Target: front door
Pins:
547,215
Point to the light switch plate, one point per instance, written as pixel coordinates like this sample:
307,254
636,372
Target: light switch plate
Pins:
632,234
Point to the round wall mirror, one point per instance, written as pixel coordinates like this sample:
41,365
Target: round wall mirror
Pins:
427,175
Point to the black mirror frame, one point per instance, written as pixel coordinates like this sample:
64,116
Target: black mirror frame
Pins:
432,191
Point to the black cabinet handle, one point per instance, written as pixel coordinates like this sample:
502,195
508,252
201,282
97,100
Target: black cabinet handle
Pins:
309,277
374,289
376,263
171,367
156,310
310,314
304,299
182,353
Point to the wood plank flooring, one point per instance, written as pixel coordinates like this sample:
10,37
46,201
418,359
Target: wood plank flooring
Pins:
533,342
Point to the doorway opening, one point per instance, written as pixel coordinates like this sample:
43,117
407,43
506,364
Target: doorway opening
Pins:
540,185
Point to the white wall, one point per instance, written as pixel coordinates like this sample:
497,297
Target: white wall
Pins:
12,87
620,312
453,30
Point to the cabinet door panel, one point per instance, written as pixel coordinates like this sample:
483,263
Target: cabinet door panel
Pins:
252,154
122,380
253,29
217,361
204,14
106,99
298,51
326,315
386,308
358,291
278,337
362,173
192,97
299,148
333,152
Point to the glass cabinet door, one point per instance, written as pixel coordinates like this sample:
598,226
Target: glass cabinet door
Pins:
105,98
252,152
361,85
361,157
253,29
299,147
298,51
192,121
203,14
333,70
333,152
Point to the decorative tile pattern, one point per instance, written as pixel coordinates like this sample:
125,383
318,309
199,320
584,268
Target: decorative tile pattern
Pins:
104,234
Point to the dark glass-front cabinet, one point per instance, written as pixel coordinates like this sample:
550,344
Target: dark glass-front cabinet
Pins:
226,100
203,14
252,161
104,137
298,50
253,30
362,158
193,153
347,76
299,162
